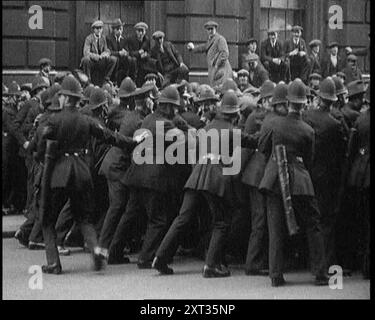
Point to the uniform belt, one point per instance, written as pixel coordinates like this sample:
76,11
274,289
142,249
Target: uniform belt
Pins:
76,153
212,157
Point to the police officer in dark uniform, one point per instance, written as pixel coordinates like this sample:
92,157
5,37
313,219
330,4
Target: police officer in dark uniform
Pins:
298,139
71,176
208,182
256,255
329,155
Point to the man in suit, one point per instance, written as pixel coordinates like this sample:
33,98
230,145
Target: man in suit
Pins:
298,139
169,60
296,51
272,57
96,54
352,71
329,156
257,73
217,54
118,47
139,49
332,63
70,177
45,65
252,46
314,56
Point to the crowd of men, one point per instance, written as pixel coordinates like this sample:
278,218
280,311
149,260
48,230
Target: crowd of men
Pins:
69,144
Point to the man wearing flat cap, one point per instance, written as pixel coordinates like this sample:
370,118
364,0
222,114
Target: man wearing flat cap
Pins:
217,53
314,56
169,60
257,73
272,57
333,62
45,65
97,56
139,50
252,47
118,46
352,71
296,53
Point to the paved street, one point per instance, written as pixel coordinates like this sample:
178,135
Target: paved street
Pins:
128,282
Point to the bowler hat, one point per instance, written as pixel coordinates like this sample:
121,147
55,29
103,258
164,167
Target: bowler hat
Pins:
44,61
279,93
341,74
297,91
169,95
327,89
71,87
127,88
141,25
315,43
55,88
97,23
243,72
356,87
13,89
117,23
210,24
97,98
158,34
229,103
38,83
340,88
267,88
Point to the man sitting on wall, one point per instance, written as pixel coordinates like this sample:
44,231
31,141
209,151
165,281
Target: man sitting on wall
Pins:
45,68
96,54
169,60
118,46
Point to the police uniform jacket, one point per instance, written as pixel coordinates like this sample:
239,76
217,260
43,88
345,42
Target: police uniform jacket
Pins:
350,114
298,138
254,169
157,177
329,147
209,176
360,169
72,131
118,160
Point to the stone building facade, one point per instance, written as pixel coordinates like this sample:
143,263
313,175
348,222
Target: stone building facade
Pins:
66,24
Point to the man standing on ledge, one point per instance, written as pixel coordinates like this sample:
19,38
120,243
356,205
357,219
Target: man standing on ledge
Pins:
96,53
216,49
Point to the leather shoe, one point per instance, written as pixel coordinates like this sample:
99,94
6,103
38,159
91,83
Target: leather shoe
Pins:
19,235
209,272
36,245
261,272
321,281
52,268
99,261
161,267
277,281
118,260
144,265
63,251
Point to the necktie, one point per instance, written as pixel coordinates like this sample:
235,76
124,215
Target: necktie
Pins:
97,43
